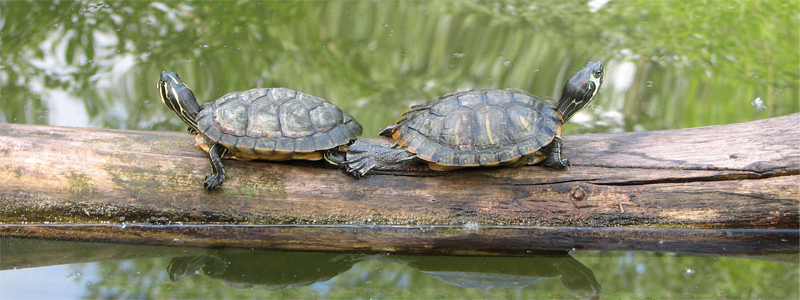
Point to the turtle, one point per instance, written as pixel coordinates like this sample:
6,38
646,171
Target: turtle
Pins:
481,128
275,124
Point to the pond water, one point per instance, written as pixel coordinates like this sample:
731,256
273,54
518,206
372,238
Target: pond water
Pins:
670,64
42,269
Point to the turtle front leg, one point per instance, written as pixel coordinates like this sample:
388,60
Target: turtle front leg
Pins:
554,160
217,175
363,157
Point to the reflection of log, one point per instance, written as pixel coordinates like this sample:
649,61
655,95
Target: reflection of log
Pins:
734,176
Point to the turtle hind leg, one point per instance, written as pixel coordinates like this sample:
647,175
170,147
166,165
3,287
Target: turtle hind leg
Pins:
388,131
217,176
363,157
336,156
553,153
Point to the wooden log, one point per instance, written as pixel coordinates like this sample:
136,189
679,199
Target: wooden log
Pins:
732,176
427,239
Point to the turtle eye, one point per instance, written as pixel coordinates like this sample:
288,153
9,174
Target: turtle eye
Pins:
598,73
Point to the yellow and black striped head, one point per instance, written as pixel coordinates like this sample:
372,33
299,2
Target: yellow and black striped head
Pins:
179,98
580,89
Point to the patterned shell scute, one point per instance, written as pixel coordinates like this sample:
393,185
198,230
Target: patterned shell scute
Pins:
479,127
276,119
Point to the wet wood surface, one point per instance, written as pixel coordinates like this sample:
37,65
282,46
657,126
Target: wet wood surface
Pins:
180,240
733,176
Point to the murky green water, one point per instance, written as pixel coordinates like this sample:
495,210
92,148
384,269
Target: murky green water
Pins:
47,269
670,64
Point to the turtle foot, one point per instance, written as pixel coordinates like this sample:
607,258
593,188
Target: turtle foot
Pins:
212,181
554,160
557,164
363,157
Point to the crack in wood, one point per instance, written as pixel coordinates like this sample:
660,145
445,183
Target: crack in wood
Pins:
542,183
713,178
674,180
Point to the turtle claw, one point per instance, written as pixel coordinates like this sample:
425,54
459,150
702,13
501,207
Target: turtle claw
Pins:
212,181
359,164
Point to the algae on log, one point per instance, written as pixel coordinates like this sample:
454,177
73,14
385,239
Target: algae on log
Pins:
730,176
425,239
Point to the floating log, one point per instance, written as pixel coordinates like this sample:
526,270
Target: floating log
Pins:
730,176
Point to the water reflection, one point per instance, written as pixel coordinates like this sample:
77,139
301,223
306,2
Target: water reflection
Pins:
85,64
263,269
273,270
35,268
507,272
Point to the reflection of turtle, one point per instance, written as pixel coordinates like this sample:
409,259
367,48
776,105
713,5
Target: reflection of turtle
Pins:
263,269
505,272
268,124
484,127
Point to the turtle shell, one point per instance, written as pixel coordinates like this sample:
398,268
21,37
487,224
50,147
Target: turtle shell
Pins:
483,127
276,124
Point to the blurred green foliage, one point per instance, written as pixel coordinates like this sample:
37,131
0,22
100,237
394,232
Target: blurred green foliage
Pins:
696,63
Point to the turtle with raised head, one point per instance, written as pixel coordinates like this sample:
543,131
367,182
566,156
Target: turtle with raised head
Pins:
274,124
481,128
